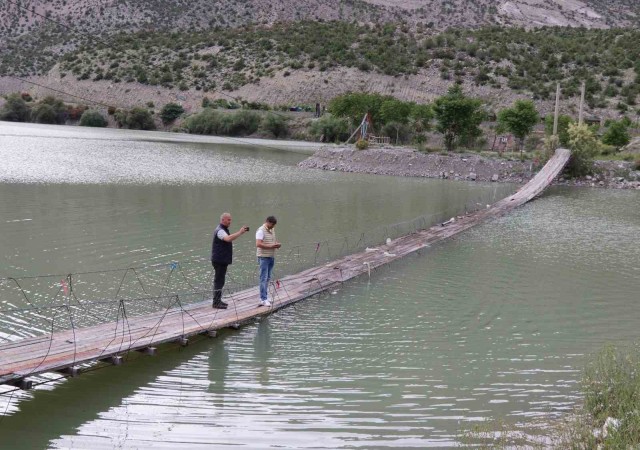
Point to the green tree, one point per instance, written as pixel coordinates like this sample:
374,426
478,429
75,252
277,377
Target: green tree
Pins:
519,120
563,128
354,105
170,112
92,118
616,135
15,109
457,116
421,115
394,110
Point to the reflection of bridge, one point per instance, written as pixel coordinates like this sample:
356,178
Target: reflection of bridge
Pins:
64,350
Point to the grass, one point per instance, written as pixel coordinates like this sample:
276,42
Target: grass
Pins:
611,389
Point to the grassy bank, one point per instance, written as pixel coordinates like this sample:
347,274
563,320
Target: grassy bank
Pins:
608,418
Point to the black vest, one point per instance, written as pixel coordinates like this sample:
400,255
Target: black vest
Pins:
221,251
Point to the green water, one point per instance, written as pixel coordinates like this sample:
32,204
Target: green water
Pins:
492,324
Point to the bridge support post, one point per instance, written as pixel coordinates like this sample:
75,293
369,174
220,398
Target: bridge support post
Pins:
149,351
116,360
22,383
183,341
212,333
72,371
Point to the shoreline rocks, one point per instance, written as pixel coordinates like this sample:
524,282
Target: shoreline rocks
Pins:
407,162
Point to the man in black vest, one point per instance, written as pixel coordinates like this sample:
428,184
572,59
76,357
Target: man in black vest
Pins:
222,255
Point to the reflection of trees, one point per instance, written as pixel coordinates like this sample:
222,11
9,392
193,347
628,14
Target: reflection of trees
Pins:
218,365
262,347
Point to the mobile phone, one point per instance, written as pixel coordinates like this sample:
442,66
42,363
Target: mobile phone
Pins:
246,228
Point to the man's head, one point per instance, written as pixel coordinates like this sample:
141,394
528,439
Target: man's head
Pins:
225,219
271,222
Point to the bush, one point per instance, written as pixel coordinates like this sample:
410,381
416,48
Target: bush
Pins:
140,119
276,125
330,129
92,118
616,135
563,127
210,121
49,110
15,109
362,144
170,112
584,147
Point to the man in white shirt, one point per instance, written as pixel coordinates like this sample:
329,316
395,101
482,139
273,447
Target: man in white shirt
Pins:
222,256
266,245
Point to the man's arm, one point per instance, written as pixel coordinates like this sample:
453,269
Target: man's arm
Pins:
236,235
261,244
260,241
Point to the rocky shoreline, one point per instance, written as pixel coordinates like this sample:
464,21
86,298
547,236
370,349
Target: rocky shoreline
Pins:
408,162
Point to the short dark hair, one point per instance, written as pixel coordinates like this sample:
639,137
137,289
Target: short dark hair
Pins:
272,219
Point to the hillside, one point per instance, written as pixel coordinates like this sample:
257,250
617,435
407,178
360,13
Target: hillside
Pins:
283,51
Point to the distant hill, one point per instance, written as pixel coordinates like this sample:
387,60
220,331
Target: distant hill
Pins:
302,51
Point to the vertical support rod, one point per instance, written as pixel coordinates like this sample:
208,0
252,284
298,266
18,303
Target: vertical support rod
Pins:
557,111
582,94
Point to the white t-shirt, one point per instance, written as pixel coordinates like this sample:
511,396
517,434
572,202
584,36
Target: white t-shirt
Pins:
260,234
222,234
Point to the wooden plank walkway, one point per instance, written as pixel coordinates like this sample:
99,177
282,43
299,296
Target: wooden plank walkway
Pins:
64,350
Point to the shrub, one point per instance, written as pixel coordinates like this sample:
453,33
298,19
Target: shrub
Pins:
563,127
92,118
616,135
241,123
330,128
140,119
49,110
205,122
584,146
276,125
15,109
362,144
210,121
170,112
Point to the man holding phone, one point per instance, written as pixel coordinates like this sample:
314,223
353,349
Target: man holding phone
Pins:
266,245
222,255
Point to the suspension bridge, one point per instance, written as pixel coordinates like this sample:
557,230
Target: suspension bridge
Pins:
95,335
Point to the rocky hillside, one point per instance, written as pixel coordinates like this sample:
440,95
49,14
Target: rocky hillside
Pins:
283,51
20,17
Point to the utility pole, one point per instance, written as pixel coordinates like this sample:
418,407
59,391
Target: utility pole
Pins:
580,114
557,112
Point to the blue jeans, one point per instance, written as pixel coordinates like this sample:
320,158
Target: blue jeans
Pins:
266,267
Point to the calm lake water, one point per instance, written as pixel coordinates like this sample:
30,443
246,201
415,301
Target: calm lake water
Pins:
494,324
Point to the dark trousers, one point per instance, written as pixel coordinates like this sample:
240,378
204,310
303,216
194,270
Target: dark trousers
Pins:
220,271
